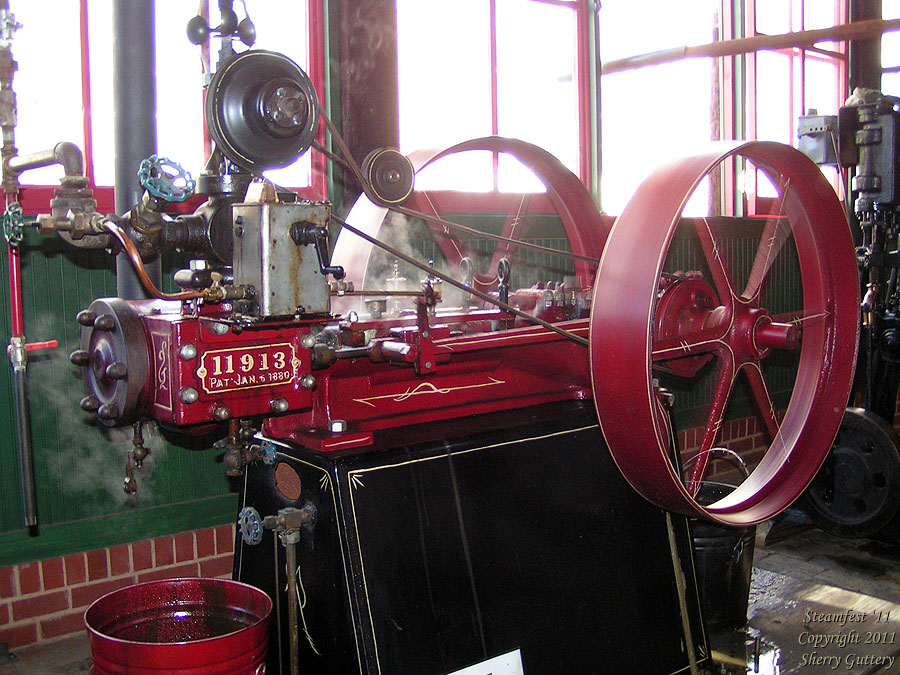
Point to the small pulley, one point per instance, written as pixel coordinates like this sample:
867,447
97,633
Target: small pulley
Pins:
390,175
261,110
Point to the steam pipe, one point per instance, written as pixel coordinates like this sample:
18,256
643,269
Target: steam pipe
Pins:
290,538
26,451
17,350
134,92
66,154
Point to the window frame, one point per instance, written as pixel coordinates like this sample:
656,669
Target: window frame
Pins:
34,198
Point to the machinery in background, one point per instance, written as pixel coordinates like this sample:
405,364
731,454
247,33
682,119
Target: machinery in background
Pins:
857,492
406,431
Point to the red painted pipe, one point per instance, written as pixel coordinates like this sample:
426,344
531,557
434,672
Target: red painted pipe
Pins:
15,292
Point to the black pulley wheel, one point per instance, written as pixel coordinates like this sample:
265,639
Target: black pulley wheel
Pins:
390,175
261,110
857,490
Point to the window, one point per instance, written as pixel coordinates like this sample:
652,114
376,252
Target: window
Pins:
890,51
483,74
787,83
653,113
656,112
52,106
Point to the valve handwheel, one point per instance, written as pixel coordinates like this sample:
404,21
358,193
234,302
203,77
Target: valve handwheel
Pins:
166,179
627,353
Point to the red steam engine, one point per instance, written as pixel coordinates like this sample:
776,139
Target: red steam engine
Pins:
328,372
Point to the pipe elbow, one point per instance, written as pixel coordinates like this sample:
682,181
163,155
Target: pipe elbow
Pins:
69,156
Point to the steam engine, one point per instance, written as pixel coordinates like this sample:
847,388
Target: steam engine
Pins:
324,376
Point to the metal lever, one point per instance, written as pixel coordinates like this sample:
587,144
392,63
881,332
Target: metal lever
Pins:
304,233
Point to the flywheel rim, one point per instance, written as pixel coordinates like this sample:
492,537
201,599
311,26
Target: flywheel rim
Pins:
632,417
585,229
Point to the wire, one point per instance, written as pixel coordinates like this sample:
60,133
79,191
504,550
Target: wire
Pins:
301,603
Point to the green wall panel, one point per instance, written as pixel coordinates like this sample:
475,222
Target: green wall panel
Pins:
79,467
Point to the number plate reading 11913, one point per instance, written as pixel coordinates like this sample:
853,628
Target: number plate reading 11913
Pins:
247,367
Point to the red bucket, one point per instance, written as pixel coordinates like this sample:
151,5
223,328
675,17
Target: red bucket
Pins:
190,626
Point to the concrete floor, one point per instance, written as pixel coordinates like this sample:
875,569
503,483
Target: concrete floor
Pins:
818,604
797,573
64,657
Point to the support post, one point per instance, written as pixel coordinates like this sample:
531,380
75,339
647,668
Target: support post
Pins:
134,93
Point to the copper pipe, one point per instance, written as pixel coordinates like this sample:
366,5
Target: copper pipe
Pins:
858,30
135,258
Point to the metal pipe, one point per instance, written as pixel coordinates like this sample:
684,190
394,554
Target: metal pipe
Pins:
18,355
26,452
66,154
134,93
290,538
86,91
139,268
17,322
858,30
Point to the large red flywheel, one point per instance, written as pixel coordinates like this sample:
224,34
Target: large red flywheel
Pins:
732,333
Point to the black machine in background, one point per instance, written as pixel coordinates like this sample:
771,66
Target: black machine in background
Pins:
857,491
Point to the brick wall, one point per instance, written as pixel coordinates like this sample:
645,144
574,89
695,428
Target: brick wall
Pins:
744,436
45,600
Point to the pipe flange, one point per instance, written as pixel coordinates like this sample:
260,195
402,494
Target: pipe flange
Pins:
117,363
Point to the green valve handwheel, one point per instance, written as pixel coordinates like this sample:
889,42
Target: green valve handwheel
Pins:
13,224
166,179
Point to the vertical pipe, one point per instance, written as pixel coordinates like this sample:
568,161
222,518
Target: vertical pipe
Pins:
17,351
290,539
206,66
134,93
495,105
17,323
865,55
86,92
316,60
26,452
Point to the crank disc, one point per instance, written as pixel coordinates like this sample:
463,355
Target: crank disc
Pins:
563,216
743,331
261,110
857,490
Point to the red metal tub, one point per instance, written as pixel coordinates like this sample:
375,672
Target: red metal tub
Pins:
190,626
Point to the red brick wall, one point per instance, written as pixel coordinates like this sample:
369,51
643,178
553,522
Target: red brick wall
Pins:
745,436
45,600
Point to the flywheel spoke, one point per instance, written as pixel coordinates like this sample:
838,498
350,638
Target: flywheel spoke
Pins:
724,387
512,229
775,234
762,398
448,241
713,255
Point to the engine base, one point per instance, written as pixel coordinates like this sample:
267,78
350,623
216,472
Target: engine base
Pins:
431,555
